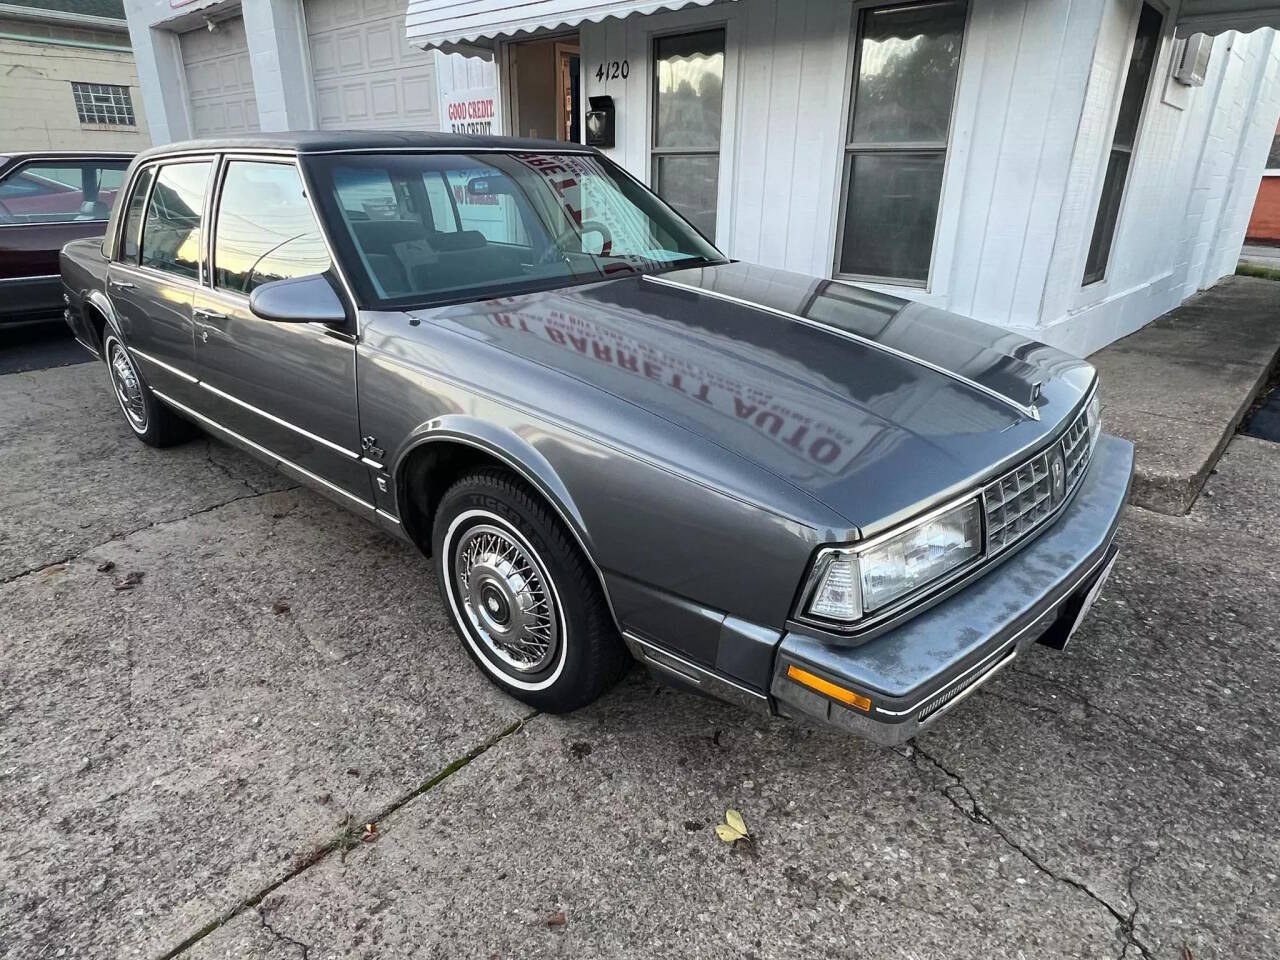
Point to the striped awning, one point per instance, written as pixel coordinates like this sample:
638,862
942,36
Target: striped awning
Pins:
471,26
1219,16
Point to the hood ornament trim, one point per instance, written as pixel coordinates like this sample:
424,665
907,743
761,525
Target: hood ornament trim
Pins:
1027,410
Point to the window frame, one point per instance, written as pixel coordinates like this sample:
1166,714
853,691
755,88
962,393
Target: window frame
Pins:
225,160
118,254
1091,285
656,152
17,168
850,148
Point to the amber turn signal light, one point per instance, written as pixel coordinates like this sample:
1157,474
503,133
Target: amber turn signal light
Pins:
827,688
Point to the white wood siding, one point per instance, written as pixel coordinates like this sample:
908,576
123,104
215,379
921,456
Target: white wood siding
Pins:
1034,112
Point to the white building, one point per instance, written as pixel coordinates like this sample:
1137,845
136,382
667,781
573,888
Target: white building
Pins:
218,67
67,77
1068,168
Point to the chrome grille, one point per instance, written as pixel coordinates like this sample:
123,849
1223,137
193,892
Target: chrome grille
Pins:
1021,500
1075,448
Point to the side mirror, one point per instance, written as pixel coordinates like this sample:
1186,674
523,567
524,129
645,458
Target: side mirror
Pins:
298,300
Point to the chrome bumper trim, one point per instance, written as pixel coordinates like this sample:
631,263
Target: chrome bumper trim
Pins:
695,675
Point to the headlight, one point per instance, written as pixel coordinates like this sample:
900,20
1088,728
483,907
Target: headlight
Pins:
1095,418
858,580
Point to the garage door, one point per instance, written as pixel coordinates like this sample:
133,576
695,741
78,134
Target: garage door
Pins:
367,77
219,80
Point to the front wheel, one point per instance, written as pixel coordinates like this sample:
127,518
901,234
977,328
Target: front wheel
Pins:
521,595
151,421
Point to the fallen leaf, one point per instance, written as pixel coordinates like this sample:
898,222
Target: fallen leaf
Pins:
557,919
734,828
279,607
1186,953
54,570
728,834
129,581
370,833
106,566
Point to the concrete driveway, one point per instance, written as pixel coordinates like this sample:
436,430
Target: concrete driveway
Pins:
188,766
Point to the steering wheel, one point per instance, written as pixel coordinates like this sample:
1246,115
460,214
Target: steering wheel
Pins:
553,251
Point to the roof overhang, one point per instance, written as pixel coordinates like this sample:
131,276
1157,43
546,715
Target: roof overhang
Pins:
1219,16
60,18
471,28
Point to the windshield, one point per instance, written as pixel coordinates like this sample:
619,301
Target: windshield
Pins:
418,229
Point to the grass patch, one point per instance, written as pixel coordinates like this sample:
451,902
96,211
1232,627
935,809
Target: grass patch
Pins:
1256,270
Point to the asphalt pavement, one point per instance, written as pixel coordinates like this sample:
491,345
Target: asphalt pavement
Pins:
234,723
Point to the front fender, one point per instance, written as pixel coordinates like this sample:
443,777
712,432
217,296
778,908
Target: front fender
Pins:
503,444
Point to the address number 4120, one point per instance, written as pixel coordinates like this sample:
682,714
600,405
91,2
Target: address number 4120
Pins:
613,70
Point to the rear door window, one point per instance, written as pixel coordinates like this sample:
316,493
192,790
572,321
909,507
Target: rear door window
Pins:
60,191
171,232
265,229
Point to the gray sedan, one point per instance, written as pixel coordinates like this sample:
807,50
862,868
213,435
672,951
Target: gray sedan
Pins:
802,496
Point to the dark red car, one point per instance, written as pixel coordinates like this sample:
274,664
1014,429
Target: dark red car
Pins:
46,200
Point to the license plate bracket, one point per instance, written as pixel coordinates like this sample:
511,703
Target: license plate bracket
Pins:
1077,606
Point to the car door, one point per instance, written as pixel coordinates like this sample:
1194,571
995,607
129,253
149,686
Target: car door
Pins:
288,387
46,202
159,262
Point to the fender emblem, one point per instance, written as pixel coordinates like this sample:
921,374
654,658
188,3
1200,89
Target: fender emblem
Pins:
369,447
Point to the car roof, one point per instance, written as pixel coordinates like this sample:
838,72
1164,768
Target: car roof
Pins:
330,141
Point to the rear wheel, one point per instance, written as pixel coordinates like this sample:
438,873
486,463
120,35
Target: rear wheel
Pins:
523,598
151,421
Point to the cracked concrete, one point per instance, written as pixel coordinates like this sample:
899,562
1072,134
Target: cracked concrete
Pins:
183,771
973,811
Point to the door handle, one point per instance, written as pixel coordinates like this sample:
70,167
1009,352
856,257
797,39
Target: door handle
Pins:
121,284
209,314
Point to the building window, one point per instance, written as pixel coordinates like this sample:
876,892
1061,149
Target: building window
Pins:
688,96
1142,63
103,103
1273,157
906,61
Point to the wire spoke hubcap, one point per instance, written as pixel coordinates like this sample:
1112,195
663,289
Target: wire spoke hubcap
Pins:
124,378
507,598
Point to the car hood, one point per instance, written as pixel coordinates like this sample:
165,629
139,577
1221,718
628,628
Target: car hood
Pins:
876,407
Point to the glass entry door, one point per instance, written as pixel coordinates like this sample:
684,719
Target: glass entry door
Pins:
688,97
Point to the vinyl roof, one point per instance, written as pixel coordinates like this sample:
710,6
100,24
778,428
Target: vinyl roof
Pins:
327,141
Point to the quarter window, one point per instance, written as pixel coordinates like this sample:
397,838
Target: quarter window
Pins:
688,101
1146,45
60,192
906,60
133,218
172,229
265,229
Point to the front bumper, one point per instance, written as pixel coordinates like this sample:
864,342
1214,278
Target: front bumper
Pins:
916,672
